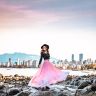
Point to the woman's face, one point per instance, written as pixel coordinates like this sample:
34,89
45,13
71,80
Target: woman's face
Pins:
44,48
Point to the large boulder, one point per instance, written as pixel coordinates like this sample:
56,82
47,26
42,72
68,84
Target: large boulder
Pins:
2,87
84,84
93,87
13,91
87,91
22,93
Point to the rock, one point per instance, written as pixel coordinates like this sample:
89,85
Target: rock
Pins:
10,85
13,91
32,90
46,88
1,76
87,91
2,87
62,94
84,84
72,89
16,75
18,86
94,81
67,93
57,87
78,78
3,94
68,78
23,83
93,87
23,94
75,81
45,93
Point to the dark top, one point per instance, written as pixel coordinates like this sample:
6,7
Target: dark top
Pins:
44,56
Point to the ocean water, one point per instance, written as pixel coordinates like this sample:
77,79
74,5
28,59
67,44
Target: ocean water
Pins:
32,71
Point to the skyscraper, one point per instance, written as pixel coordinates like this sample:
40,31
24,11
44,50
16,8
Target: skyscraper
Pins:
18,61
72,57
10,62
81,57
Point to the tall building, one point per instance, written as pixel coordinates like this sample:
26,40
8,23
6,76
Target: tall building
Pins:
0,64
72,57
34,63
81,57
18,61
23,63
29,63
65,61
10,62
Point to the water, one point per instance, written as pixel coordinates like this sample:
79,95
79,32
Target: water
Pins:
19,71
32,71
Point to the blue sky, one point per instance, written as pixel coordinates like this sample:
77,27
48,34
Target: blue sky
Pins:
67,23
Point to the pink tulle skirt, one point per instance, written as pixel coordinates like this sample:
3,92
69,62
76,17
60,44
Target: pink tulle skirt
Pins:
47,74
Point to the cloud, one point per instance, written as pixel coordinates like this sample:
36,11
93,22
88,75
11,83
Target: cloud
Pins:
30,14
20,16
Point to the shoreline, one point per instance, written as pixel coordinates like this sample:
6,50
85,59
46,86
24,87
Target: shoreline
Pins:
32,71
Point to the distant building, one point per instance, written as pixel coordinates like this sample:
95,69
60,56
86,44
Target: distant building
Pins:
89,61
85,62
29,63
0,64
81,57
53,62
23,62
34,63
10,62
72,58
18,61
65,61
95,61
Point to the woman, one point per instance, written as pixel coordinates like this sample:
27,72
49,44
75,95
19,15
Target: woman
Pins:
47,73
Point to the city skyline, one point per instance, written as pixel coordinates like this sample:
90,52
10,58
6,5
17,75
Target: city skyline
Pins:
68,26
23,56
33,63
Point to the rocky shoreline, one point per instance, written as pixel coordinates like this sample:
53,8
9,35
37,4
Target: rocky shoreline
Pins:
73,86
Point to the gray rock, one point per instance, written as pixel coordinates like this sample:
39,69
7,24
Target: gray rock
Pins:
84,84
46,93
42,93
87,91
2,87
63,93
13,91
22,94
93,87
68,93
57,88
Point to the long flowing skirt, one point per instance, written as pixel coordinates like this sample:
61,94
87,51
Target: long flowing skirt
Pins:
47,74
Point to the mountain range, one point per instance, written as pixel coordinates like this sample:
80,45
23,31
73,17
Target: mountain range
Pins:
22,56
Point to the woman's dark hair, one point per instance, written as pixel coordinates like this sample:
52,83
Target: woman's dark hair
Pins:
47,46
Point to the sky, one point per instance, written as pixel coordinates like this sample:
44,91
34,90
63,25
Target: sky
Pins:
68,26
